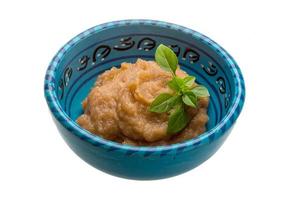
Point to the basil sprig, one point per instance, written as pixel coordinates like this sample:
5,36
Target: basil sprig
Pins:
186,92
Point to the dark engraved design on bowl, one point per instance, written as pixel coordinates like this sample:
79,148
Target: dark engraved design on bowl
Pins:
125,44
146,44
102,52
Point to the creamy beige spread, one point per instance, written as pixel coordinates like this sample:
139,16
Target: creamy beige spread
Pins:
117,106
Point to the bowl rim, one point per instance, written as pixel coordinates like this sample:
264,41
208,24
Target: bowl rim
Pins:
207,137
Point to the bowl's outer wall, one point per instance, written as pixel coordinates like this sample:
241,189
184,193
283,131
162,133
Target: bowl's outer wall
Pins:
138,166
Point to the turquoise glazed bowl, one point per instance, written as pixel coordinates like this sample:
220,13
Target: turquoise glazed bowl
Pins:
78,63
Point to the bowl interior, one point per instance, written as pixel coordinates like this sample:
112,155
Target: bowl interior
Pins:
112,45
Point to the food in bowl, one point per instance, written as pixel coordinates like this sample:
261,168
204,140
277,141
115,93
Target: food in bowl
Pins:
146,103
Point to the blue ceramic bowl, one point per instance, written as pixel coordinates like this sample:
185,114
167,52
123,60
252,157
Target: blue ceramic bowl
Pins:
78,63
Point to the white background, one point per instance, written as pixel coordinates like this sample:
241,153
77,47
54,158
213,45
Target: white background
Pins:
35,162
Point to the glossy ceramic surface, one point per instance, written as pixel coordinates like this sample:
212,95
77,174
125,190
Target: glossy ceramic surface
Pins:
76,66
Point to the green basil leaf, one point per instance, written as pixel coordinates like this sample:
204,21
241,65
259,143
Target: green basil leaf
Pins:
177,84
189,80
177,120
200,91
179,81
190,99
166,58
173,85
164,102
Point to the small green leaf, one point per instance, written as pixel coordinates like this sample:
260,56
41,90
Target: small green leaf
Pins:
166,58
173,85
163,103
189,80
179,81
200,91
190,99
177,120
177,84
